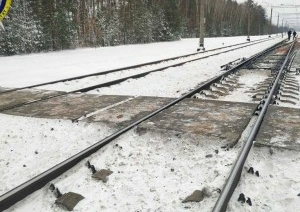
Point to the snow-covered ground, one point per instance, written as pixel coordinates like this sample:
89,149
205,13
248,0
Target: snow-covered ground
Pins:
151,172
243,89
95,80
176,81
24,70
278,186
155,172
30,146
292,99
248,80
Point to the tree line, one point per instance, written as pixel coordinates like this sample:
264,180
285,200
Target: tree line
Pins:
50,25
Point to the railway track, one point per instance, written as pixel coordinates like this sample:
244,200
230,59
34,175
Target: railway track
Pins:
235,174
253,81
30,186
190,57
107,83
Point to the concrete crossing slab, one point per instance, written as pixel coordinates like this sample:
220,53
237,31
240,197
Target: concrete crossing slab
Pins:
129,112
210,119
3,89
205,118
22,96
280,128
71,106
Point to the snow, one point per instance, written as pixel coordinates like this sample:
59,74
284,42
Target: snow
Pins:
248,81
173,81
151,172
142,178
90,81
24,70
46,142
293,98
277,186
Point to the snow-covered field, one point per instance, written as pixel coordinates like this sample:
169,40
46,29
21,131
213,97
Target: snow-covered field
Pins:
155,172
30,146
151,172
24,70
95,80
248,80
176,81
278,186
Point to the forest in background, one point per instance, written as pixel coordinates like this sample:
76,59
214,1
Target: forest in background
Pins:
50,25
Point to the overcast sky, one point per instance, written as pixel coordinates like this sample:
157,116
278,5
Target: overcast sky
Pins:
294,20
272,2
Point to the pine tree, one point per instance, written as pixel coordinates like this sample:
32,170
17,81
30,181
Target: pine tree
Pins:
23,32
49,25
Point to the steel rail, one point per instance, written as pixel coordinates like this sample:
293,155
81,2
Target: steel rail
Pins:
127,68
293,57
291,61
234,177
20,192
114,82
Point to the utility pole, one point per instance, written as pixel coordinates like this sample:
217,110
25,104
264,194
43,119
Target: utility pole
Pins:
270,26
282,29
202,26
249,13
286,26
277,25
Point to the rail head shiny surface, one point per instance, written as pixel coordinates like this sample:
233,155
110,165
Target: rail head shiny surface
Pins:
236,171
